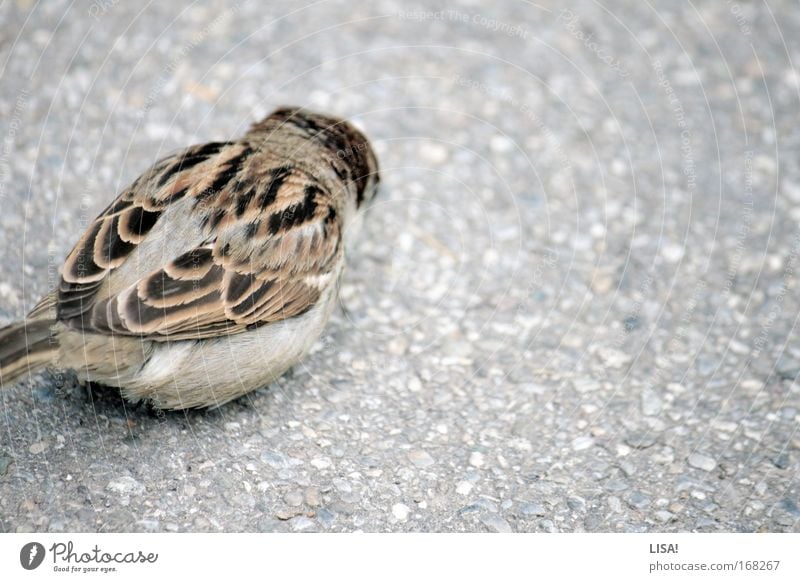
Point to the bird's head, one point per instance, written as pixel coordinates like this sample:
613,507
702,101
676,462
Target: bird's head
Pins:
347,149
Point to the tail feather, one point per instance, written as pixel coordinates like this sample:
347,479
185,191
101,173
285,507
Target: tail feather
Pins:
25,347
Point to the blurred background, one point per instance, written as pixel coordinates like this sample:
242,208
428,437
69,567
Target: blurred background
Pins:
572,308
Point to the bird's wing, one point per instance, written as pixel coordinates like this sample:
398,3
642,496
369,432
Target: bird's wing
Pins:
211,241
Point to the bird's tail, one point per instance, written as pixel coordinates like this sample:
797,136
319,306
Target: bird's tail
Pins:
25,347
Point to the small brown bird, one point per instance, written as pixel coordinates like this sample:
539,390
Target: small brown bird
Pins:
212,274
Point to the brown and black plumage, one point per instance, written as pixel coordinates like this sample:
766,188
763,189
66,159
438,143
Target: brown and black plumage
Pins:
213,273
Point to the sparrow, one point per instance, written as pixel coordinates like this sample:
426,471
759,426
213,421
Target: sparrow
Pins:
212,274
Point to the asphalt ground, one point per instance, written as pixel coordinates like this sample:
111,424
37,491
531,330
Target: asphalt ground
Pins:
572,308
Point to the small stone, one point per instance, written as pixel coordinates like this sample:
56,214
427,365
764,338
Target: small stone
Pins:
664,516
293,498
613,358
738,347
548,526
791,189
287,513
704,522
616,485
325,516
501,144
585,385
651,403
400,511
672,252
342,485
151,525
592,522
481,504
602,283
597,230
632,322
301,523
618,167
706,366
125,485
38,447
464,487
724,425
638,500
576,503
312,497
781,461
421,459
752,385
532,509
665,455
640,440
628,468
582,443
496,523
8,293
790,507
787,367
700,461
269,526
4,464
476,459
275,460
433,152
321,463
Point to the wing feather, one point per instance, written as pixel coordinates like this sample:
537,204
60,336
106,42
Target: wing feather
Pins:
268,241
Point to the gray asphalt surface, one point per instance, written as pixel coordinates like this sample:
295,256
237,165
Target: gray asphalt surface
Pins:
573,307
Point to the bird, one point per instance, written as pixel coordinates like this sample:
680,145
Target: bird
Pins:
213,273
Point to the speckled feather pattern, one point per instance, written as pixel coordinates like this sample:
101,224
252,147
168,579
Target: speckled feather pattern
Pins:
220,240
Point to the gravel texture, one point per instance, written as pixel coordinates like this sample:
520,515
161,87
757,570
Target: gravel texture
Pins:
573,307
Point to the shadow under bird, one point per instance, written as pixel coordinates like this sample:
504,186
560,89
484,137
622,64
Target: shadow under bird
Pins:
212,274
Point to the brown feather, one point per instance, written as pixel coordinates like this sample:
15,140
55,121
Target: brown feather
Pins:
244,275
